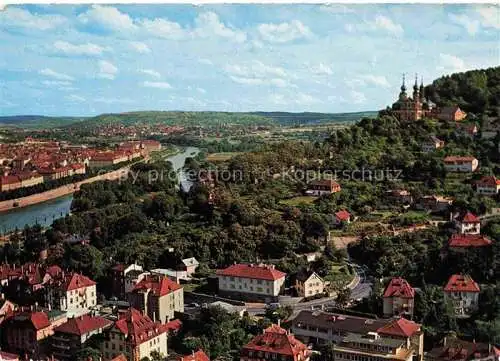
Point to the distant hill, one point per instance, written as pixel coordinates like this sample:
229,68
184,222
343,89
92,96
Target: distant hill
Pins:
476,91
183,118
285,118
220,118
38,121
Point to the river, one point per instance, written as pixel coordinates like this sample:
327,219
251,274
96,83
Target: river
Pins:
45,213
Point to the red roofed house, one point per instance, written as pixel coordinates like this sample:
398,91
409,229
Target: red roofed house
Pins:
72,292
451,114
463,291
123,277
6,356
275,343
158,296
342,217
461,242
468,223
322,186
455,349
70,337
399,298
488,185
26,332
357,337
460,164
135,336
253,282
199,355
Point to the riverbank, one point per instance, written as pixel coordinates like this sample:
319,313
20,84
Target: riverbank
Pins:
60,191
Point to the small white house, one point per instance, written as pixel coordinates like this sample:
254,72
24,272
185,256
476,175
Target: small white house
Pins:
463,291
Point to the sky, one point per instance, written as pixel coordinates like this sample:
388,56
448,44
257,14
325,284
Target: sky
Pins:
84,60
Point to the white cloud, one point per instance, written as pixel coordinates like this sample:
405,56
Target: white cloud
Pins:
163,28
450,63
74,98
139,47
20,18
255,69
156,84
208,24
67,48
357,97
201,90
284,32
378,80
113,100
471,25
54,74
384,23
490,16
150,72
107,70
322,69
205,61
336,9
108,18
57,83
278,82
305,99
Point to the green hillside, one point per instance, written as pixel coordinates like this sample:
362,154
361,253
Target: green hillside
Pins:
476,91
38,121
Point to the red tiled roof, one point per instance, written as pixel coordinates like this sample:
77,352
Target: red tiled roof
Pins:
39,320
120,357
262,272
159,285
459,159
75,281
469,240
138,327
199,355
276,340
174,325
399,327
399,287
488,181
54,270
325,182
6,356
343,215
461,283
469,218
83,325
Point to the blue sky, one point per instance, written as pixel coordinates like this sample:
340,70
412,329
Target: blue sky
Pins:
87,60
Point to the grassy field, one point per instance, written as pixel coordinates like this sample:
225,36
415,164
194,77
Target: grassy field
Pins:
298,200
221,157
340,275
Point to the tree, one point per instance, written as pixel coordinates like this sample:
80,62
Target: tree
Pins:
343,297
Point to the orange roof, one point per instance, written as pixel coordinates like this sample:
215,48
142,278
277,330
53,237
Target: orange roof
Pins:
459,159
159,285
199,355
343,215
469,240
399,287
276,340
138,327
262,272
461,283
488,181
83,325
469,218
400,327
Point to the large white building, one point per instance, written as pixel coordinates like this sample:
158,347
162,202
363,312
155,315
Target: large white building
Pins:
463,291
72,293
254,282
460,164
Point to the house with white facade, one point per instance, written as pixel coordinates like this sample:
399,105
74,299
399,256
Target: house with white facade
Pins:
488,185
251,282
468,223
463,291
72,293
460,164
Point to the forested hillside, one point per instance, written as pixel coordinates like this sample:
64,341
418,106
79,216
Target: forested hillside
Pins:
476,91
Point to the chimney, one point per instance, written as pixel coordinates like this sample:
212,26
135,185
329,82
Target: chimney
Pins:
279,322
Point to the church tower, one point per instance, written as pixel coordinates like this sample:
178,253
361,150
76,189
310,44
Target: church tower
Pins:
416,96
402,95
422,96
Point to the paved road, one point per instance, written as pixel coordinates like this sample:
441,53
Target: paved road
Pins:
360,290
